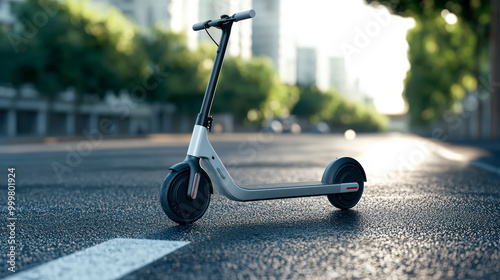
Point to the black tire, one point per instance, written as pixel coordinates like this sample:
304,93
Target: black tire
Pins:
175,202
348,173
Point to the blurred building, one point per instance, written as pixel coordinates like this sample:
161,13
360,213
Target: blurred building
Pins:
399,122
338,76
307,66
6,6
182,15
270,37
145,13
240,43
24,113
176,15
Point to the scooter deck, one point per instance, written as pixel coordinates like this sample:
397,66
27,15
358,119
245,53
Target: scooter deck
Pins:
283,185
292,189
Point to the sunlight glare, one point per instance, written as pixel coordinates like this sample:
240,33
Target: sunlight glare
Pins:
449,17
350,134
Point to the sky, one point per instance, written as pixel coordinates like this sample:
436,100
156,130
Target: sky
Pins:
372,41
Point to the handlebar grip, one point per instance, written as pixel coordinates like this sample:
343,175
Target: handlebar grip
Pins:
244,15
199,26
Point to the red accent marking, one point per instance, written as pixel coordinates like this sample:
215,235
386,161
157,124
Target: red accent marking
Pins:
352,188
195,184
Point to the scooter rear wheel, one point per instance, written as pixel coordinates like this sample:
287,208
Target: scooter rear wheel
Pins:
175,201
347,173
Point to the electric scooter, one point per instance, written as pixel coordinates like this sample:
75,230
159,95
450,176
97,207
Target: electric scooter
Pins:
186,190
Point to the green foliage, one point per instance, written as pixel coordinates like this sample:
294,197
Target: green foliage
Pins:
446,60
6,54
177,70
441,58
470,11
243,86
341,113
357,116
252,90
96,50
79,46
311,104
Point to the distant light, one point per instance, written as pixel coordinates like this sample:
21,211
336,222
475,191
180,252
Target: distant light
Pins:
323,127
50,140
253,115
207,63
449,17
276,126
350,134
218,128
296,129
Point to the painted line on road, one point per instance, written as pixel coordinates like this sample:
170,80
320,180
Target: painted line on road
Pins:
451,155
485,166
109,260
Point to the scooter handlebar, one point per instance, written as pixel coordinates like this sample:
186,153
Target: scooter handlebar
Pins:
244,15
236,17
199,25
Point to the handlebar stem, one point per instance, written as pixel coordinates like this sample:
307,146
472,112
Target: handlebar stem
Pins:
203,117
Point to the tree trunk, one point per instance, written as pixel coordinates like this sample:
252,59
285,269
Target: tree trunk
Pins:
495,67
477,75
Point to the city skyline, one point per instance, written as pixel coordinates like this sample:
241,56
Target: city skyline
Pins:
370,40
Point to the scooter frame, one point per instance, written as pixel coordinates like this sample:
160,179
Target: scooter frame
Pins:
202,160
200,148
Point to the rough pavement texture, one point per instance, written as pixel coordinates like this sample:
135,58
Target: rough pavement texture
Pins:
421,216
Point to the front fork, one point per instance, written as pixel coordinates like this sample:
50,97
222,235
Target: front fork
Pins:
194,176
199,147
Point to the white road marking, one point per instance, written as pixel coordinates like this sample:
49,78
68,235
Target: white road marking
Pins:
485,166
109,260
453,156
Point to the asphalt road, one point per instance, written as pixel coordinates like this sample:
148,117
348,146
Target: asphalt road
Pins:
427,211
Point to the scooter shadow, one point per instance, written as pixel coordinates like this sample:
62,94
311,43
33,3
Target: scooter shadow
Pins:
339,222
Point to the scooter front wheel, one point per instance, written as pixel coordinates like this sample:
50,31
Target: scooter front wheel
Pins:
175,201
347,173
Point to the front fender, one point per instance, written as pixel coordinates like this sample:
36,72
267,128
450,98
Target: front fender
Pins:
184,165
179,166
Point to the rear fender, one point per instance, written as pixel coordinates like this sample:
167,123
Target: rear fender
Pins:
335,165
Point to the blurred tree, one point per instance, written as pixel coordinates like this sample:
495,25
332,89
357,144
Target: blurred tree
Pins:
441,55
6,53
178,73
341,113
96,51
495,70
441,58
76,45
311,104
251,89
471,11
